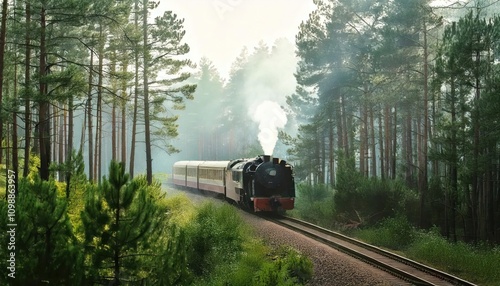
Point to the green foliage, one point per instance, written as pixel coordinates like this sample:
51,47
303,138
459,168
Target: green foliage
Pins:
216,235
180,210
119,216
395,233
315,204
365,201
46,248
170,267
288,268
479,265
250,261
471,263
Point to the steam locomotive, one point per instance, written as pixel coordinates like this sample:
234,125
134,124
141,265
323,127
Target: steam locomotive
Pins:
262,183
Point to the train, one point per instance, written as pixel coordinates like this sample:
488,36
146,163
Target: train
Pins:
260,184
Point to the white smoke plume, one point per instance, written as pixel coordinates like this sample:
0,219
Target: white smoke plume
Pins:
270,117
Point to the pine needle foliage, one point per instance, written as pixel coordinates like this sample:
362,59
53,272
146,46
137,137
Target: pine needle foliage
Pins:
119,216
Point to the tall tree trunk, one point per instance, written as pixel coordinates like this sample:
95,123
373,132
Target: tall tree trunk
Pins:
409,149
89,119
27,87
15,158
331,151
3,30
387,128
373,145
394,143
136,92
476,181
422,179
362,141
98,138
124,115
149,168
69,146
381,145
44,112
62,119
454,163
114,91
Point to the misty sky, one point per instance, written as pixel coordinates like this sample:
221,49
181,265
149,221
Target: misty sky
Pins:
219,29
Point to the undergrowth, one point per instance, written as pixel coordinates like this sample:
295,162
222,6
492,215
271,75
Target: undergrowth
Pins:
476,264
224,252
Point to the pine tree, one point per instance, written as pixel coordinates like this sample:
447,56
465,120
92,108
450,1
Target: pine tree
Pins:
119,216
46,248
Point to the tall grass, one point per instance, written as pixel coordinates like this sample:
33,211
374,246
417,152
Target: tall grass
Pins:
394,233
480,265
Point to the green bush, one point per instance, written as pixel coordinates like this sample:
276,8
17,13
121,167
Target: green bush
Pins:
373,200
289,268
216,234
315,204
394,233
221,251
251,260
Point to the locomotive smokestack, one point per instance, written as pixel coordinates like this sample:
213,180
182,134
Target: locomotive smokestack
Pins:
267,158
276,161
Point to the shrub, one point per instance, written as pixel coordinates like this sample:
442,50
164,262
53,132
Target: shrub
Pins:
215,235
289,268
394,233
373,200
315,204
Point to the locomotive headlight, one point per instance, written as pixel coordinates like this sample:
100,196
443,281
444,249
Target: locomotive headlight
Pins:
271,172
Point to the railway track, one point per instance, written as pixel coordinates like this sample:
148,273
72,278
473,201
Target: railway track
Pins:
406,269
401,267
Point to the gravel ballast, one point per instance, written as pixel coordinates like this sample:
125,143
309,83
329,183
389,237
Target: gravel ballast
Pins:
331,267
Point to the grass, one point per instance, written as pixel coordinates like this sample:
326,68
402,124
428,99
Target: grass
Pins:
479,265
225,252
476,264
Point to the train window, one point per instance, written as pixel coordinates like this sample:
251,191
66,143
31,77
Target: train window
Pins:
236,176
212,174
180,171
191,172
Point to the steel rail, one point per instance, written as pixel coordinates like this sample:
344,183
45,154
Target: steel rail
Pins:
399,266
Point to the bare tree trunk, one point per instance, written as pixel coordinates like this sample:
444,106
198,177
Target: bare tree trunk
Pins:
89,119
331,151
15,158
69,146
98,147
422,179
124,116
136,93
373,151
387,128
3,30
44,112
394,143
362,140
114,90
62,120
27,104
381,145
149,167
